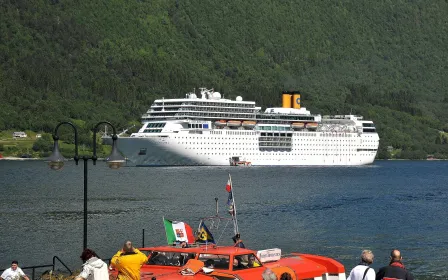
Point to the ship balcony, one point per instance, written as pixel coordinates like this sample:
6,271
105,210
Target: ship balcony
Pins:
274,139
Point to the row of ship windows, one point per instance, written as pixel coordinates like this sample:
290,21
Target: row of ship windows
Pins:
256,143
195,103
220,110
247,144
277,154
253,133
239,132
191,109
358,150
256,140
187,115
234,113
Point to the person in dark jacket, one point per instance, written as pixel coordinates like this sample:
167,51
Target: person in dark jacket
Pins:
238,242
395,269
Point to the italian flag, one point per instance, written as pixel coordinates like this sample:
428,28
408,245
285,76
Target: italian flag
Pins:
178,231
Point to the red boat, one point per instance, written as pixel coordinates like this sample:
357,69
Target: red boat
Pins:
228,262
209,261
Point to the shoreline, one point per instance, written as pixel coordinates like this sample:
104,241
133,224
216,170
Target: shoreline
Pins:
391,159
19,159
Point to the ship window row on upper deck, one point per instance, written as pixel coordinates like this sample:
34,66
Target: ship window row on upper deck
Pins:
213,115
220,113
198,125
285,117
199,109
155,125
196,103
212,118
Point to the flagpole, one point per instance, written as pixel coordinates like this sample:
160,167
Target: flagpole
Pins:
166,234
199,227
235,221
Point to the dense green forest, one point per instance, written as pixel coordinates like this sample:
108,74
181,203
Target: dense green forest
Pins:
98,60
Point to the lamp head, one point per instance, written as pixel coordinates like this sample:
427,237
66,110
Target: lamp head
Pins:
115,160
56,160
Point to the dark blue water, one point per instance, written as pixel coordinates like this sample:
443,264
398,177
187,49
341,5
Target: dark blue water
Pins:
336,211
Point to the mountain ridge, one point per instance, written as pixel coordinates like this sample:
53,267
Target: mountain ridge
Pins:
107,60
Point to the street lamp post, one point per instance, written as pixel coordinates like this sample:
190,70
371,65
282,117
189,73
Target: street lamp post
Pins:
56,160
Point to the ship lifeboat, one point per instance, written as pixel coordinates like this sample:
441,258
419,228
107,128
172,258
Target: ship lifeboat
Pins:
297,125
220,123
234,123
249,124
311,126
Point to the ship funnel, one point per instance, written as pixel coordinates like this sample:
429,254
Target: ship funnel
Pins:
286,99
296,100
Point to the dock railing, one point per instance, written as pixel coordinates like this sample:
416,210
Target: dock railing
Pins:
56,258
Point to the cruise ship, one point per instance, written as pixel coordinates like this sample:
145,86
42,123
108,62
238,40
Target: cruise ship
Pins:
204,128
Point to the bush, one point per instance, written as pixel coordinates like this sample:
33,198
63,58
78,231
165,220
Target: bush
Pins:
42,144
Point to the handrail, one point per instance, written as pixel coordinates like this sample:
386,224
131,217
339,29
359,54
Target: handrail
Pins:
56,257
44,265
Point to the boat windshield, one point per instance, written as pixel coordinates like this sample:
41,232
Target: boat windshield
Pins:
215,261
245,261
169,258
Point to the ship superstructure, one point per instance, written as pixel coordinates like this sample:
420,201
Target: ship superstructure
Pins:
211,130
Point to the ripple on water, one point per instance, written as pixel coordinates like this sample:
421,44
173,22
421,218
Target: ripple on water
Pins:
335,211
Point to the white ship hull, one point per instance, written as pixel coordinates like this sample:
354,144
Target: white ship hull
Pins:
309,148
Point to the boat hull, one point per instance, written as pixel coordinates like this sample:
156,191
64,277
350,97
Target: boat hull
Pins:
210,150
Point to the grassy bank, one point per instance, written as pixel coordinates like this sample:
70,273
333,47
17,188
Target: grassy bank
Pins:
39,145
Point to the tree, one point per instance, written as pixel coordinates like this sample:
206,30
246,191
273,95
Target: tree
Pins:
43,144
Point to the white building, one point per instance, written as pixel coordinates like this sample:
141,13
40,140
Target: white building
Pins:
19,134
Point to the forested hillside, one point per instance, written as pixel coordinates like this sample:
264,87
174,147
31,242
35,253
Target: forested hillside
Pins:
108,59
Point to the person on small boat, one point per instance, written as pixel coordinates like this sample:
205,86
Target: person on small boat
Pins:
238,263
362,271
209,263
93,268
238,242
395,269
253,262
14,272
128,262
